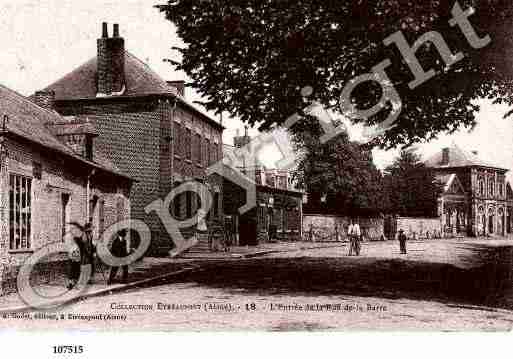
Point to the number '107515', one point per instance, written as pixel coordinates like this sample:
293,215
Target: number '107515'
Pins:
68,349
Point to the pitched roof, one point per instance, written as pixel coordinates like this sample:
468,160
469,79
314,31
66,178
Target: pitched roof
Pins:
81,83
458,158
27,120
140,79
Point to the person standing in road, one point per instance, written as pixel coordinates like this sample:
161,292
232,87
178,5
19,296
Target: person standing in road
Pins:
354,237
357,237
402,241
89,249
350,236
119,250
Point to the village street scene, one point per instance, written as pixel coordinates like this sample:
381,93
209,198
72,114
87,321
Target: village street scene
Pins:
177,170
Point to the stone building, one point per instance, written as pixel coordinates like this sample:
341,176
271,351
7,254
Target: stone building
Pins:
476,198
278,204
145,125
51,174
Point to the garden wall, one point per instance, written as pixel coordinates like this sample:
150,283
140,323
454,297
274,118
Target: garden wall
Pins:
329,228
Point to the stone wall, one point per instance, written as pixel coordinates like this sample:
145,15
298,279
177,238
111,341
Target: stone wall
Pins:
326,228
420,228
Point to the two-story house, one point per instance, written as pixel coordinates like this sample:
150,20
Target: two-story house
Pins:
146,126
476,198
278,204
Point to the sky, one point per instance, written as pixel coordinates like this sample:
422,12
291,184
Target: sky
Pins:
44,40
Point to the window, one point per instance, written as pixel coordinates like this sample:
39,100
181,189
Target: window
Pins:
20,196
207,153
64,213
481,187
176,138
37,170
176,204
214,153
501,189
188,144
492,188
188,204
216,204
199,149
270,180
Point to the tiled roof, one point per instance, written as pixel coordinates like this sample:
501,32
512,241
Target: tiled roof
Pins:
458,158
140,79
27,120
81,82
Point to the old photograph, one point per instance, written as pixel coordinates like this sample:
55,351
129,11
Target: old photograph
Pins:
246,165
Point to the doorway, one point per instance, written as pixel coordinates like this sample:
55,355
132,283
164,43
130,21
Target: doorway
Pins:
491,220
248,229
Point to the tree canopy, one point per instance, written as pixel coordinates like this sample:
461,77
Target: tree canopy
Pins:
253,57
341,172
411,189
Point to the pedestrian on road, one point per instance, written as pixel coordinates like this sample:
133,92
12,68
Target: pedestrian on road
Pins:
354,234
119,249
402,241
89,249
82,255
74,264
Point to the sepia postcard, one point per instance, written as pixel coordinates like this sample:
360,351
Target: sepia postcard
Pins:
246,165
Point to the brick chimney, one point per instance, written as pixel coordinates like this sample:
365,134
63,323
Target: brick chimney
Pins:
111,62
78,133
179,85
445,156
45,99
241,141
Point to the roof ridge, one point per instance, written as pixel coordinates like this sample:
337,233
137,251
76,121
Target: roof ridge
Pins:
27,99
29,123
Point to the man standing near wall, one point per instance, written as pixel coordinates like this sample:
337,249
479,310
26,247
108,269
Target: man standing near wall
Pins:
354,237
402,241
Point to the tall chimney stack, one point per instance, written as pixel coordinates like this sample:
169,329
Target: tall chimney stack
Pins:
241,141
179,85
445,156
45,99
111,62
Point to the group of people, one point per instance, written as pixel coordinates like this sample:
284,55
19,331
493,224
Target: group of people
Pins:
355,237
85,255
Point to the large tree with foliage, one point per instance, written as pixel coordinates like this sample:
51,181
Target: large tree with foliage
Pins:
340,171
411,188
252,57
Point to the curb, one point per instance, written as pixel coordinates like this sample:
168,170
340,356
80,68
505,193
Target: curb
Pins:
263,253
103,291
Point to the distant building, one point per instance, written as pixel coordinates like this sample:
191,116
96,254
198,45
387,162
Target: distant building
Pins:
476,198
51,174
278,204
146,126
